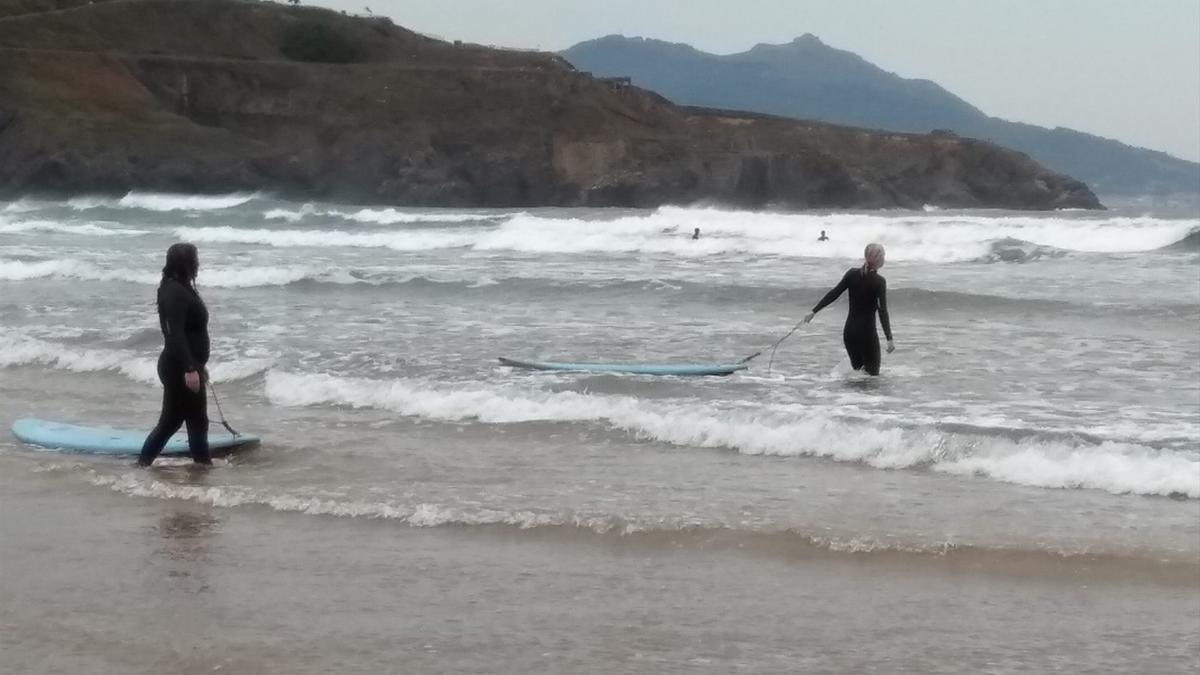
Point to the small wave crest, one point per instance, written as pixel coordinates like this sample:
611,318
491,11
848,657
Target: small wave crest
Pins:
1012,250
1191,242
682,529
20,350
163,201
936,237
26,351
1111,466
52,227
393,217
291,215
234,277
400,241
387,216
24,205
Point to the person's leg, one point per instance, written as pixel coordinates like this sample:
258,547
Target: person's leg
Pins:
169,421
871,355
853,348
196,417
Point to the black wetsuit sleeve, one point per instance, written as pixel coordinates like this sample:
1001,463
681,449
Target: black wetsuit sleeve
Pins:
173,301
884,320
833,294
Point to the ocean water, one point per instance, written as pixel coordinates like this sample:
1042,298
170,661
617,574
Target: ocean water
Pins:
1039,420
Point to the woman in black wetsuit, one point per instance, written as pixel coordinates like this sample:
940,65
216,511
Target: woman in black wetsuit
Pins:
183,319
868,292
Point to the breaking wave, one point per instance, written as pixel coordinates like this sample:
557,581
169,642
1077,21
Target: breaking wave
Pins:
386,216
163,201
1012,250
1189,243
422,240
49,226
24,205
1116,467
932,237
20,350
234,277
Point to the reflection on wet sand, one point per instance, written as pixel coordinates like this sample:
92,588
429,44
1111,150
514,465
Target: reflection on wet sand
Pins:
186,531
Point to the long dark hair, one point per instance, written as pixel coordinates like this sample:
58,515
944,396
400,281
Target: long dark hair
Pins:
183,263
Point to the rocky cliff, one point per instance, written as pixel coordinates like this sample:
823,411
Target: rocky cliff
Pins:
218,95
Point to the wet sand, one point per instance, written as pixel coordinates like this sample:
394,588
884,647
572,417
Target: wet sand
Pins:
98,582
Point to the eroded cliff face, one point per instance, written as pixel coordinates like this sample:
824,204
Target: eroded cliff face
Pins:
94,98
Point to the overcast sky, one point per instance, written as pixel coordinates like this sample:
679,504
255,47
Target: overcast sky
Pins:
1125,69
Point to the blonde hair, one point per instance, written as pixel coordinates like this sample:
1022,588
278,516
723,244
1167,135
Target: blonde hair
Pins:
873,257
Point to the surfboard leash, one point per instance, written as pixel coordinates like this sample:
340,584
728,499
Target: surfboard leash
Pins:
221,412
773,347
213,389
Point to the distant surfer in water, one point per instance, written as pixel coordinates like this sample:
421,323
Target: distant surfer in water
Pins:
868,293
822,237
696,233
183,319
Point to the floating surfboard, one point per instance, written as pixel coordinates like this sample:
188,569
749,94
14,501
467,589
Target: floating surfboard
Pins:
686,369
107,441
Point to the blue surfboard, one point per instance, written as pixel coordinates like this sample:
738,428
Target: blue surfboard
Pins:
107,441
684,370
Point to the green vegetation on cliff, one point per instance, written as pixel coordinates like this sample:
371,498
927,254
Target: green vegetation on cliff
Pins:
319,42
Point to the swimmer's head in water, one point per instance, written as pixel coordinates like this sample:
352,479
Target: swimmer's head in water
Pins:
874,256
183,263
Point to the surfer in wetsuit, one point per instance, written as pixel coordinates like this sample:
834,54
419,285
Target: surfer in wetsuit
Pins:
822,237
183,319
868,293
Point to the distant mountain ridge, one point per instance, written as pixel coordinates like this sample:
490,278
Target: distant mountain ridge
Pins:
810,80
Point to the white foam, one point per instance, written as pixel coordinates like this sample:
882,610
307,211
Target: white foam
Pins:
23,205
407,240
428,515
232,277
935,236
164,201
1115,467
290,215
85,229
16,350
20,350
1118,468
418,515
393,216
15,270
236,277
388,216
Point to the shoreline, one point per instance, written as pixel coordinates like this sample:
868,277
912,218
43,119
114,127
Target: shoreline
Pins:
144,585
175,484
